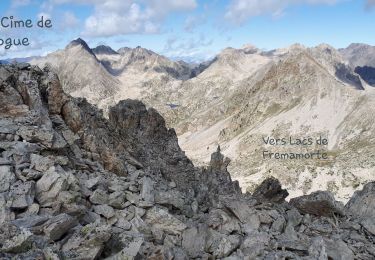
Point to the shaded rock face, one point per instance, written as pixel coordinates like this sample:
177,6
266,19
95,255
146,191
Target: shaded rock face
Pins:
345,74
367,74
102,49
270,189
150,141
74,185
362,207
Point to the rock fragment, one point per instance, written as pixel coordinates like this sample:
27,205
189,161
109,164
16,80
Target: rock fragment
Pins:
161,219
320,203
58,225
270,190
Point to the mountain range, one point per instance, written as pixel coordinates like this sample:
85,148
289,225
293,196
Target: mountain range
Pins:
77,185
242,96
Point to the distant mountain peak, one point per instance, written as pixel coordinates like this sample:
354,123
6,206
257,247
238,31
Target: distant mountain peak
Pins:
104,49
124,50
137,51
329,51
359,54
80,42
358,45
325,46
249,48
144,51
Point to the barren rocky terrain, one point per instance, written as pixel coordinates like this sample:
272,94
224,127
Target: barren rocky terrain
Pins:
77,185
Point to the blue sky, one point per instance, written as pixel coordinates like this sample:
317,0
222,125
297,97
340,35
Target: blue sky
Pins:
190,29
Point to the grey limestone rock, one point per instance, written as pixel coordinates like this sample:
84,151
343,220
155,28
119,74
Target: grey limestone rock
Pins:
58,225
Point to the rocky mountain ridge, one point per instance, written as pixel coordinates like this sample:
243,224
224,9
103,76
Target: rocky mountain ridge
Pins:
243,95
362,59
75,185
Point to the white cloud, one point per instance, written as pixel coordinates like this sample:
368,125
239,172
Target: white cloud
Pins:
192,22
239,11
110,19
69,20
18,3
44,15
193,49
120,17
37,47
115,17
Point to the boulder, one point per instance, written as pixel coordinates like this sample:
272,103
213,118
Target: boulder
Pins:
7,178
58,225
161,219
147,189
117,200
87,242
171,197
293,217
31,221
362,207
41,163
99,196
338,249
52,183
270,190
255,244
317,249
14,239
194,241
278,225
93,182
104,210
130,251
242,211
293,241
21,195
362,203
223,222
319,203
221,245
369,224
132,197
5,213
41,135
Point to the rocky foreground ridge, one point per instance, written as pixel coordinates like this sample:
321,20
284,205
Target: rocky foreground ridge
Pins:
74,185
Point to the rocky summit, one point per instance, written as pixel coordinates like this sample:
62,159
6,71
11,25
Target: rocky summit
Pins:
76,185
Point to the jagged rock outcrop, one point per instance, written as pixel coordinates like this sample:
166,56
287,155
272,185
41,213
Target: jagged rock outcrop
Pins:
74,185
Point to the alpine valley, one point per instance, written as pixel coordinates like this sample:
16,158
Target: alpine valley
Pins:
241,97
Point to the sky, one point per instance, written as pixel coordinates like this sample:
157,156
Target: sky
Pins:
191,30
